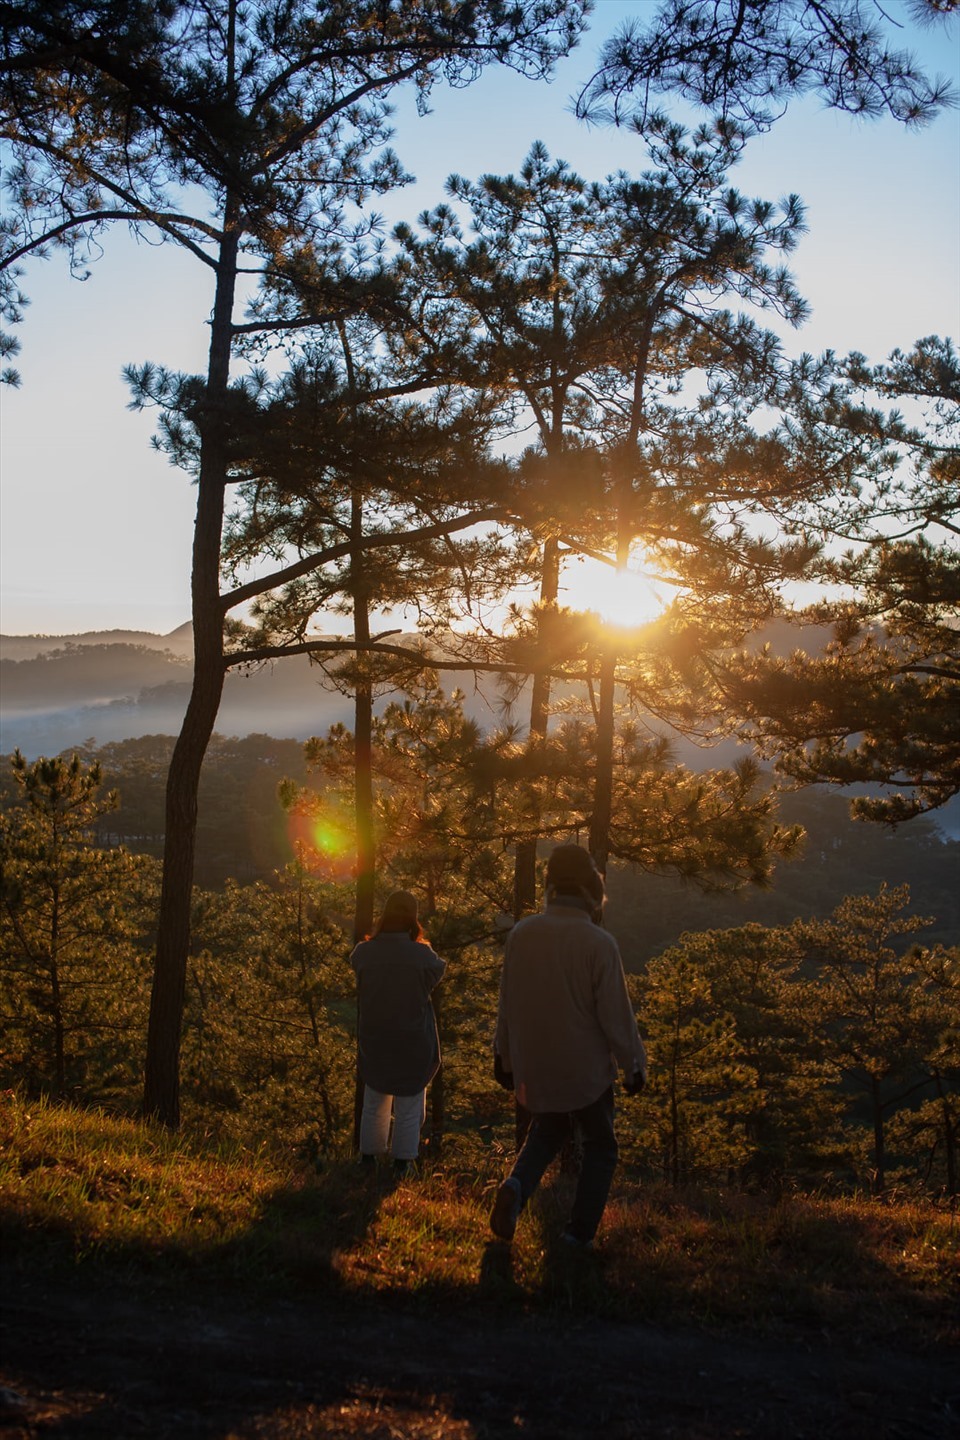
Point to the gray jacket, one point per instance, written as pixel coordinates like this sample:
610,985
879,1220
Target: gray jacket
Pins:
398,1041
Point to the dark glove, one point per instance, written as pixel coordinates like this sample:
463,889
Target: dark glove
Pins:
636,1084
502,1077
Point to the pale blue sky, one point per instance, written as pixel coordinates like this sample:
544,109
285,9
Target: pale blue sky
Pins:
96,529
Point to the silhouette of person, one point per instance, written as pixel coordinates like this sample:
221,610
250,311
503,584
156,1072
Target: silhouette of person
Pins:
565,1024
399,1048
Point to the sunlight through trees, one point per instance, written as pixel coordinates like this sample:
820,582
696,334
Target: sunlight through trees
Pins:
540,449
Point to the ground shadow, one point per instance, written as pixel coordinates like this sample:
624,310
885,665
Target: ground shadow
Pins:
213,1347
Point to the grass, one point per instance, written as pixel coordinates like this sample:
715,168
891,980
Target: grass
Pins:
78,1188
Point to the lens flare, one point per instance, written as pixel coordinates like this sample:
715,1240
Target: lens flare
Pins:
325,837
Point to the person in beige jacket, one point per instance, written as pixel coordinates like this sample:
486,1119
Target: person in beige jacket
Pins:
565,1026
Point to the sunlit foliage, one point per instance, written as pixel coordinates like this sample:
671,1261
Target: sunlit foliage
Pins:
74,929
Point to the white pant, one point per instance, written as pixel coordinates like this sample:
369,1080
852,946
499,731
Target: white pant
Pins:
409,1113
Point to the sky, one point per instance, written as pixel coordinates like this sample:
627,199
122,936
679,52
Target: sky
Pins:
96,528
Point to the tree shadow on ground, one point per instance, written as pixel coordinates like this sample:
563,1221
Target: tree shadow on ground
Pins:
272,1335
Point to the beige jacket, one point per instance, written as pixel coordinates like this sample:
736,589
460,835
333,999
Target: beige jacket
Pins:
565,1021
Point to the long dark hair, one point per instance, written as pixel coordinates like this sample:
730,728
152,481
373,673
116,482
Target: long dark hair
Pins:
399,916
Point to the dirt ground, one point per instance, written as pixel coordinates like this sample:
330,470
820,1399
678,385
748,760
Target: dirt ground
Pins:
112,1362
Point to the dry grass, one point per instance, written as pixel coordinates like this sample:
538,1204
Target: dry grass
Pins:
77,1187
105,1184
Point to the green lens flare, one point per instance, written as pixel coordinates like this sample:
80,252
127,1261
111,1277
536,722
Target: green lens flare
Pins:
329,837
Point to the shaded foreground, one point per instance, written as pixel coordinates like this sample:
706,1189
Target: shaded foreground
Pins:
109,1360
153,1286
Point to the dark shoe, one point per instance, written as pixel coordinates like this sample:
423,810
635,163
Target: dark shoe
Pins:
367,1162
506,1209
574,1242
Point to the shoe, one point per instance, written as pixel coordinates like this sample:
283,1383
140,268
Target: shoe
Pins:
402,1168
506,1209
574,1241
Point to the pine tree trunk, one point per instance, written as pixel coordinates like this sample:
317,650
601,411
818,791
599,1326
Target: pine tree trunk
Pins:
362,781
437,1085
602,816
525,858
56,998
674,1158
366,872
599,841
161,1094
363,798
950,1148
363,707
879,1157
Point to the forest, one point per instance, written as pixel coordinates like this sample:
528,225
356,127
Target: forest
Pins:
426,434
804,1033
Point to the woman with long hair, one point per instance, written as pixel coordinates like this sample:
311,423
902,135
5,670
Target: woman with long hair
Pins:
399,1048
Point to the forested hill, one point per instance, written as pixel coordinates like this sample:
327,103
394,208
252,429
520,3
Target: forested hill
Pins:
30,647
60,691
109,686
243,835
113,685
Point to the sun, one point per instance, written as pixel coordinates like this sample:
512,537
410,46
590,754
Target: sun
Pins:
628,597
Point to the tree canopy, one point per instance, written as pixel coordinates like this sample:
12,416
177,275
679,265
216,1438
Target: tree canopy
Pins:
612,327
745,60
880,707
248,134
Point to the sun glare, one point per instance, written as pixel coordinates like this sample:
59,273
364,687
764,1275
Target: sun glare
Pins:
620,597
326,836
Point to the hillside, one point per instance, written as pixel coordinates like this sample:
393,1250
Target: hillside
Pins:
58,691
158,1288
108,686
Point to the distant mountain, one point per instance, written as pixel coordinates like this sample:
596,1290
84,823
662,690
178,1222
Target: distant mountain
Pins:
104,686
109,685
58,691
28,647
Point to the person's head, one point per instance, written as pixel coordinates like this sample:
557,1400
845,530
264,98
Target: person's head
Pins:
572,872
400,916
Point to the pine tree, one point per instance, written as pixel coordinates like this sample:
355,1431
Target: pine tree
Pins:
746,60
782,1100
590,305
274,117
692,1119
932,1129
860,1003
878,707
269,1011
339,454
74,926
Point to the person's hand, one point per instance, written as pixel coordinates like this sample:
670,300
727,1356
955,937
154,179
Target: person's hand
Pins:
635,1084
503,1077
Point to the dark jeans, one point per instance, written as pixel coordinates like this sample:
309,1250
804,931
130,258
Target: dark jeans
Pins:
544,1142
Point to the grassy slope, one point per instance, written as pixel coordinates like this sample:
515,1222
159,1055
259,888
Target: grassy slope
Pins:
81,1189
